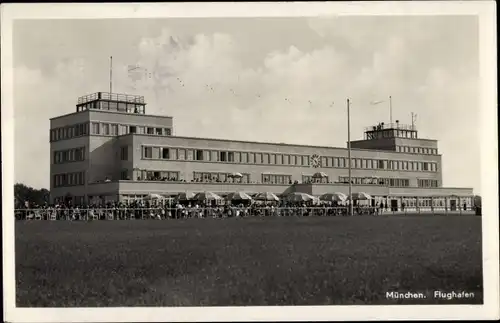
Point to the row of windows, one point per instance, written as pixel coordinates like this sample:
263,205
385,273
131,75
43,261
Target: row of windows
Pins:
423,202
70,155
69,179
427,183
276,179
377,132
68,132
211,177
436,202
417,150
151,152
149,175
219,177
107,129
310,179
112,106
393,182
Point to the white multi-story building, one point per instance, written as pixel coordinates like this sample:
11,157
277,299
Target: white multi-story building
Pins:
110,149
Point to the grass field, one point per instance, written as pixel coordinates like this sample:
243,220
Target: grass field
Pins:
247,261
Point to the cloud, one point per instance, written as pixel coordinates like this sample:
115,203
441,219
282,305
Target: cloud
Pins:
203,82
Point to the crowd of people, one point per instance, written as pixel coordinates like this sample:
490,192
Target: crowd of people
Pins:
140,210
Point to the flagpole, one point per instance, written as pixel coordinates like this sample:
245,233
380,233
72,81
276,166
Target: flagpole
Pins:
349,155
110,74
390,108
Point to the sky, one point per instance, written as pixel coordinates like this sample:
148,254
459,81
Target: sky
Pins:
258,79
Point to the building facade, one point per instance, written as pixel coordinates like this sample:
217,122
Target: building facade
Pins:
111,150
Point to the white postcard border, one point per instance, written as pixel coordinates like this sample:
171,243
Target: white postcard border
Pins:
489,162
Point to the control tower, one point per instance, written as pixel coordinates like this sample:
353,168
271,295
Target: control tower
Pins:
396,137
114,102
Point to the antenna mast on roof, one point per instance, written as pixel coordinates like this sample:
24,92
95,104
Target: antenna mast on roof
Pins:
390,109
413,120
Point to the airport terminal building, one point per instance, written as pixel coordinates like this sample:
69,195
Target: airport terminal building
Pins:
111,150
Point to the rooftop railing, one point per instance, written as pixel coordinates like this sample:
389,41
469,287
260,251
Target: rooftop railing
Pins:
387,126
111,97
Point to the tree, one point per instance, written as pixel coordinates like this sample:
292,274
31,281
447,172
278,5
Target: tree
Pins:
24,193
477,201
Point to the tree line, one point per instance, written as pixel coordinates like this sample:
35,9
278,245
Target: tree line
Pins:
24,193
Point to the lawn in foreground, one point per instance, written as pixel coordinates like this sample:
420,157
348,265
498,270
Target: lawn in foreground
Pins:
246,261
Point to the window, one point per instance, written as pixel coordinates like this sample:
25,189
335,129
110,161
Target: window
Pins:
199,155
105,129
159,131
426,167
95,128
222,156
150,131
114,129
272,159
305,160
124,152
80,155
230,156
148,152
168,132
123,130
293,160
279,159
189,154
380,164
104,105
133,129
258,158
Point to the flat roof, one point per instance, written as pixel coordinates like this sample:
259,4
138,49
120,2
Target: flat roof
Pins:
272,143
424,139
112,112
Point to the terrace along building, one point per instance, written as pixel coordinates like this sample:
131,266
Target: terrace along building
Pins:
111,150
